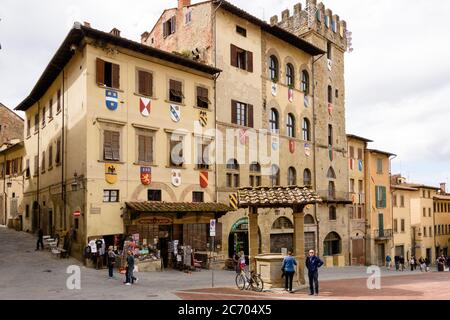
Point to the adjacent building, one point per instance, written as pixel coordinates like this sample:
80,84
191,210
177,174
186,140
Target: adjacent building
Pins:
12,154
11,125
117,143
287,79
441,209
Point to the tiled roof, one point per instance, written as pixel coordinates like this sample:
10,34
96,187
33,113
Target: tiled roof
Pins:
403,187
276,197
178,207
442,197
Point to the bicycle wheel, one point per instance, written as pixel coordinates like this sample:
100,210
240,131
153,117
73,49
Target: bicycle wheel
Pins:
240,281
257,283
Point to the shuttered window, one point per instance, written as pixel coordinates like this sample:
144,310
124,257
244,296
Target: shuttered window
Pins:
36,122
58,151
28,127
108,74
43,162
202,98
169,27
111,145
241,58
380,196
58,102
50,109
50,156
36,165
145,83
176,91
145,148
242,114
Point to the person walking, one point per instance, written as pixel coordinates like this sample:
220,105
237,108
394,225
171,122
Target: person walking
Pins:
388,262
397,262
40,240
313,263
130,279
288,268
402,263
422,264
236,263
111,261
427,264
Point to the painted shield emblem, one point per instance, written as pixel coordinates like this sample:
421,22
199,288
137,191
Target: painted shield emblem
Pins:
274,89
146,175
360,165
274,144
145,106
243,136
175,113
176,178
203,118
291,146
204,179
307,150
110,173
112,99
330,108
306,101
291,95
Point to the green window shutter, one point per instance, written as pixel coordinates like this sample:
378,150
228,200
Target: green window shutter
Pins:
383,190
377,196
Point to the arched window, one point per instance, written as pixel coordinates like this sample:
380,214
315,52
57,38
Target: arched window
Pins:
306,130
275,176
290,76
290,126
332,213
332,244
309,219
330,94
292,176
331,174
282,223
233,173
307,178
305,82
273,68
255,174
331,190
273,121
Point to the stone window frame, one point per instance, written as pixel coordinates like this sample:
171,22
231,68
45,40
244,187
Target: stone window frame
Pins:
141,130
111,125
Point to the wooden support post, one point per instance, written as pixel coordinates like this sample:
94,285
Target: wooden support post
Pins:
253,236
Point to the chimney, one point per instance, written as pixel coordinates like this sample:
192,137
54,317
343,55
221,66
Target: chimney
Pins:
115,32
183,3
285,15
144,36
274,21
87,24
443,188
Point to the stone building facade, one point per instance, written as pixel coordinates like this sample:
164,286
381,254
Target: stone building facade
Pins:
11,125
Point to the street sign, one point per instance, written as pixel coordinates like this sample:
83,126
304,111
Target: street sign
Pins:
212,228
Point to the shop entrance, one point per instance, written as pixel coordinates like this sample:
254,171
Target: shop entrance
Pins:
164,238
238,238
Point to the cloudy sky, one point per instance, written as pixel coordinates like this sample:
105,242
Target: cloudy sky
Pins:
397,78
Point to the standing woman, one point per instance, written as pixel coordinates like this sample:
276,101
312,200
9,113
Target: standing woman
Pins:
288,267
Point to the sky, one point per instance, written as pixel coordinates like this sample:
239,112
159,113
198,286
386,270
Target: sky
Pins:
397,77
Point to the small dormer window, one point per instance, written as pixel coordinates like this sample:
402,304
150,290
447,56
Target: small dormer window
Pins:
241,31
169,27
188,17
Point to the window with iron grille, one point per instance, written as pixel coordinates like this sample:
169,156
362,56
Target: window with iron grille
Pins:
305,82
110,195
154,195
197,196
290,75
290,126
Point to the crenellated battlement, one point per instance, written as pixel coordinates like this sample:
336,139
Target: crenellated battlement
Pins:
314,17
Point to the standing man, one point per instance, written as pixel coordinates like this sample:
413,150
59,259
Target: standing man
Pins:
130,279
40,240
288,268
111,261
313,263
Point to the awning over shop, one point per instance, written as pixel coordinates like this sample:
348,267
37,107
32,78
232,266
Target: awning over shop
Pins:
174,207
276,197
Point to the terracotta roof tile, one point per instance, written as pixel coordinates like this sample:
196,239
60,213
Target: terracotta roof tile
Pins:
276,196
148,206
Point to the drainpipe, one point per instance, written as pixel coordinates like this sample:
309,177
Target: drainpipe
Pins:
63,182
38,165
315,142
392,208
4,190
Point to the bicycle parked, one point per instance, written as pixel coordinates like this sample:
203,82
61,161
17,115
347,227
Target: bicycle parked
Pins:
247,280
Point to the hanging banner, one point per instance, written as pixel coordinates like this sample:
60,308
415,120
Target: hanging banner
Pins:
291,94
360,165
176,177
243,136
145,106
203,118
330,109
204,179
292,146
275,143
112,99
307,150
331,154
146,175
306,101
175,113
233,201
274,89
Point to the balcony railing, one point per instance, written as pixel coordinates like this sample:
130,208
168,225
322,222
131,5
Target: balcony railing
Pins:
384,234
336,196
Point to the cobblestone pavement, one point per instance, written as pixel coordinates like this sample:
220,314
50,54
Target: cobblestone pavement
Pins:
37,275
